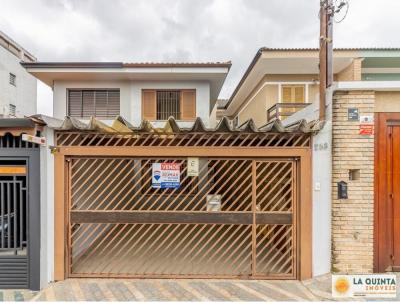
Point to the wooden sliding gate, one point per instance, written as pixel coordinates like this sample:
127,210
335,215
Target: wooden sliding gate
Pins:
237,218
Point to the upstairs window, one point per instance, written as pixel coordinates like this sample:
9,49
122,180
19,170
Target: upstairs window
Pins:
103,103
162,104
12,110
293,94
13,79
168,104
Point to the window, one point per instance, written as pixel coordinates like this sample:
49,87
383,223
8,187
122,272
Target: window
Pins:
86,103
168,104
12,110
162,104
13,79
293,94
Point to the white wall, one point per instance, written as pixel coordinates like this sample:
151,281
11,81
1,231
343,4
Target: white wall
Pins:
47,210
23,95
321,181
212,123
130,95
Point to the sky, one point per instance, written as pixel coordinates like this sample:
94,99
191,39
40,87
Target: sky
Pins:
185,30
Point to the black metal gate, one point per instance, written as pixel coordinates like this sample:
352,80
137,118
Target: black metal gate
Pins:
19,214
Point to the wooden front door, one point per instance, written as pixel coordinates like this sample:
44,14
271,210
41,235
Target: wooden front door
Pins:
387,192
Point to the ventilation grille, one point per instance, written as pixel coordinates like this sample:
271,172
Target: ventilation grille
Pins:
13,272
10,141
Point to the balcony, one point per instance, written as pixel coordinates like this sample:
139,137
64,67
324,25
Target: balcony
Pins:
281,111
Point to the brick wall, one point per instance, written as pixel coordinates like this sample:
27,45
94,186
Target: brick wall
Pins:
351,72
352,218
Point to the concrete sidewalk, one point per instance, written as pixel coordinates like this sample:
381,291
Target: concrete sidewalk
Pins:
176,290
317,289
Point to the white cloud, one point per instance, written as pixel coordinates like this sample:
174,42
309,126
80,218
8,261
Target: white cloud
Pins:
185,30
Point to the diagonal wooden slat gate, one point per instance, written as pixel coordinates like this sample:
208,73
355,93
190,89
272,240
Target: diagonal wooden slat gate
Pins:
119,226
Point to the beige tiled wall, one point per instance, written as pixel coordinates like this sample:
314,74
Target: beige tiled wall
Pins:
352,218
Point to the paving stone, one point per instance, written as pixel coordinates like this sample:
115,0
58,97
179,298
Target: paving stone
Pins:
273,294
207,291
18,296
149,291
237,291
178,291
291,287
92,292
64,292
121,292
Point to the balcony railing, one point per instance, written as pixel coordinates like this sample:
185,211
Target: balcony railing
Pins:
281,111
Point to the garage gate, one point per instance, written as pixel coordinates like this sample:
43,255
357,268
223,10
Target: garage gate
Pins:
120,225
239,217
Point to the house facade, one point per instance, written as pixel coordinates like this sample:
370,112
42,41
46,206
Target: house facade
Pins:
143,91
89,96
354,155
17,87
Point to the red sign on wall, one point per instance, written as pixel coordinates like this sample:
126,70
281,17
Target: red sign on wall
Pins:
366,129
366,125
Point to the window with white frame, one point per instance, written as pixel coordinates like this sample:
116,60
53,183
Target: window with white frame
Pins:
85,103
293,93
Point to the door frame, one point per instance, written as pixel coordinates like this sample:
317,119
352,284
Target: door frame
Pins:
381,241
304,201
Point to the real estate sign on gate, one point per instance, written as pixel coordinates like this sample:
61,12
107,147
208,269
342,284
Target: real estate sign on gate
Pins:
166,175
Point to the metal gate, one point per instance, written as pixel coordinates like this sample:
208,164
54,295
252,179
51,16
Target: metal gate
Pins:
19,214
237,218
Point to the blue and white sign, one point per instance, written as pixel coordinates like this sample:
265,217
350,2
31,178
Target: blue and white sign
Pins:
166,176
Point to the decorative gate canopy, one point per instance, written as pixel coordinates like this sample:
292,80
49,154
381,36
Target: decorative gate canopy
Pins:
74,132
120,125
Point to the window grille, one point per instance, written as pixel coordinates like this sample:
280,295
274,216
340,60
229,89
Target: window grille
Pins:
168,104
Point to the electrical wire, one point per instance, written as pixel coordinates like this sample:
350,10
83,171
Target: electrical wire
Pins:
338,7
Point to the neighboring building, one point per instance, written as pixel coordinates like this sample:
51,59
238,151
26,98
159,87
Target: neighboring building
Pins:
17,87
356,234
19,171
279,82
136,91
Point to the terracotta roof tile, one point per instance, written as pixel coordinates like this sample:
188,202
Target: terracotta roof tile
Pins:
227,64
178,64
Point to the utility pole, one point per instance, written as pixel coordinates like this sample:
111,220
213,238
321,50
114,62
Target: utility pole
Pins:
325,53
